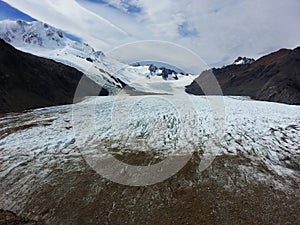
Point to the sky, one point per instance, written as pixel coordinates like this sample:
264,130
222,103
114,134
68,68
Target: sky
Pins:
217,30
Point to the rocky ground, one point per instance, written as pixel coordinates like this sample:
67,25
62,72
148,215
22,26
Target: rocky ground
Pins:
10,218
220,195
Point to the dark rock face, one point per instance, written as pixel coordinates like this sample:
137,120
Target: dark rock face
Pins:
152,69
165,72
89,60
243,60
275,77
28,81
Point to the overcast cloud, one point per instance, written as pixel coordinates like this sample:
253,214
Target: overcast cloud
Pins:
218,31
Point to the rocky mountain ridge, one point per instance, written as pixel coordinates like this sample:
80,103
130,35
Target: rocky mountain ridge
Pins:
274,77
28,81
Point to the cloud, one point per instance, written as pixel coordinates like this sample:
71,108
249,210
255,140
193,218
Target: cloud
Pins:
218,31
186,30
127,6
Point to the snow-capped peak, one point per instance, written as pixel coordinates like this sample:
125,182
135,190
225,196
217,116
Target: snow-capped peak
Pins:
35,33
43,40
243,60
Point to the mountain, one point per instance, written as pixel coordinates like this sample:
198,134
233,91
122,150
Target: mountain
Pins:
28,81
43,40
274,77
33,34
41,36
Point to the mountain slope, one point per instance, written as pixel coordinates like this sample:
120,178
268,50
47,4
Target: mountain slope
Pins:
275,77
43,40
28,81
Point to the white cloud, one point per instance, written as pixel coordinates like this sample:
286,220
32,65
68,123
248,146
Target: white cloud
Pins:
218,31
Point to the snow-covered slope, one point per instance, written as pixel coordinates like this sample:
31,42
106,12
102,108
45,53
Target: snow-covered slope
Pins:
43,40
38,37
141,78
36,34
